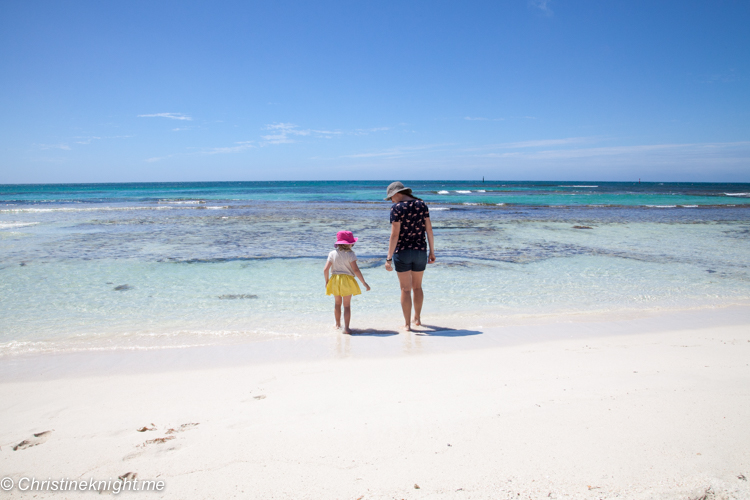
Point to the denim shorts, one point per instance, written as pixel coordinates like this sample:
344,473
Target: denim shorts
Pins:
410,260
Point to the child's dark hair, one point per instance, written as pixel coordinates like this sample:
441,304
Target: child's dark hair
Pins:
343,247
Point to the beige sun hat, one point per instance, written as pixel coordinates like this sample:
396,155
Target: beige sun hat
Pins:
396,187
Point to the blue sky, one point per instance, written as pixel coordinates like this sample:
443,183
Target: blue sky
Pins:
96,91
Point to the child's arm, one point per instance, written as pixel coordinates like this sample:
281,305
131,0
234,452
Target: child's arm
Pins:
326,269
358,274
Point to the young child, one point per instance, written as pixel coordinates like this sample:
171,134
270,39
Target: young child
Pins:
343,264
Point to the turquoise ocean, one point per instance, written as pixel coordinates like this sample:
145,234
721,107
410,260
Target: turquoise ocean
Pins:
86,267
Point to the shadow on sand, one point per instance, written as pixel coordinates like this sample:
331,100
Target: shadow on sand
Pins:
423,330
439,331
373,332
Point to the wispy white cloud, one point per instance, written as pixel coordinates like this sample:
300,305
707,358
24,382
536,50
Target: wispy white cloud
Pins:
555,154
482,119
82,140
237,148
546,142
366,131
173,116
240,146
728,77
327,134
158,158
281,133
397,152
542,5
284,133
655,153
54,146
86,140
540,143
44,159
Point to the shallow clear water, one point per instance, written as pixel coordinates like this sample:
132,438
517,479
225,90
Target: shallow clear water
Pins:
200,264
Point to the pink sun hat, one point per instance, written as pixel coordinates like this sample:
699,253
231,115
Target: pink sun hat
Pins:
345,238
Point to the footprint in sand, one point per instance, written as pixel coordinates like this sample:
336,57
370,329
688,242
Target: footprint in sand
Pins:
168,436
35,440
181,428
156,441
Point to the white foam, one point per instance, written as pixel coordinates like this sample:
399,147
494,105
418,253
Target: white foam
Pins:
738,194
481,191
11,225
439,208
501,204
182,202
464,192
466,203
689,206
578,186
442,192
661,206
90,209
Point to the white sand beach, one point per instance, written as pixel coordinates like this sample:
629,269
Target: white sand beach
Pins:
661,414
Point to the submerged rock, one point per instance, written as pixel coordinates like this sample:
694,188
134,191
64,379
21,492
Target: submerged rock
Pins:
239,296
370,263
122,288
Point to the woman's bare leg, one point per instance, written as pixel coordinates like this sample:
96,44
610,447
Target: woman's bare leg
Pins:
347,313
416,287
337,310
404,279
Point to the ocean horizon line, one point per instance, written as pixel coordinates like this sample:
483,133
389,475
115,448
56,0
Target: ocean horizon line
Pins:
287,181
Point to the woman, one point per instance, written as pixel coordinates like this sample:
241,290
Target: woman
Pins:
407,250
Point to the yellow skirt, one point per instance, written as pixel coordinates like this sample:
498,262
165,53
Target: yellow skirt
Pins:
342,285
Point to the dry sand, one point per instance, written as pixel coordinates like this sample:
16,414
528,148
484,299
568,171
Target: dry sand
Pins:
640,416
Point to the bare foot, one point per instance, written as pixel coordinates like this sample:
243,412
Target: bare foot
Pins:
417,321
337,326
406,327
347,331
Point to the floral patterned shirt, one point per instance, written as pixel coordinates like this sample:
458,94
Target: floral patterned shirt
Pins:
411,214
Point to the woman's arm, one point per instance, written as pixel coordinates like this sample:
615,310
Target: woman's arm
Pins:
395,230
358,274
326,269
430,239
